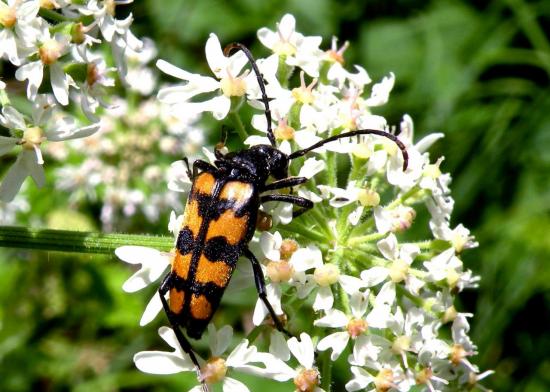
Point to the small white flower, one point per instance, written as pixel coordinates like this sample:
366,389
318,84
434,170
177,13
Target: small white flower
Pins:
244,358
49,51
227,82
297,49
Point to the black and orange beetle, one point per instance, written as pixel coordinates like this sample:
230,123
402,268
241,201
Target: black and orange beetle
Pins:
220,220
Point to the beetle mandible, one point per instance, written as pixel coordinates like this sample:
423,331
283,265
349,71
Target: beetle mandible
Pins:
219,222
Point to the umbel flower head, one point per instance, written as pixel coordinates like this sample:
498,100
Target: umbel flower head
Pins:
352,275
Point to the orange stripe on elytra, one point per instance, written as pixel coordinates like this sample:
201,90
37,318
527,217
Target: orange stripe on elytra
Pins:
200,307
241,192
177,299
228,226
204,183
216,272
180,264
191,218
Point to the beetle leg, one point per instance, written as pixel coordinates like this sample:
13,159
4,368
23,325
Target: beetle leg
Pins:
284,183
260,286
306,204
189,173
184,343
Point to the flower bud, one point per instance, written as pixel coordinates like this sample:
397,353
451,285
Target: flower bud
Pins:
326,275
214,370
368,198
77,33
279,271
263,221
288,247
50,51
307,380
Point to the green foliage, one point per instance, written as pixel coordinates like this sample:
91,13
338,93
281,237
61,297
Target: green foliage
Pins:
480,74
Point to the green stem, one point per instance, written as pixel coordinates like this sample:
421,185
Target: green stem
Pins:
52,15
76,241
243,135
365,238
326,370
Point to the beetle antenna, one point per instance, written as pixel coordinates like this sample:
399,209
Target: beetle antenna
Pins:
238,46
388,135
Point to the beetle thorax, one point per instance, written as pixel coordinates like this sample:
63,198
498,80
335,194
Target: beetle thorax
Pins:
259,162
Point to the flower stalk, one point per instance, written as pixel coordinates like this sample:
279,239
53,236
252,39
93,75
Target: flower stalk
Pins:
76,241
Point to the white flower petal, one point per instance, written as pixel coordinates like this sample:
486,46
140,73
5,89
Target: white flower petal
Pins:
219,340
34,72
374,276
388,247
153,308
60,84
306,258
324,299
270,244
278,346
351,284
302,350
337,341
160,362
311,167
334,318
232,385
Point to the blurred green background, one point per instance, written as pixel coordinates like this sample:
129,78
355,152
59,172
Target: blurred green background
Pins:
478,71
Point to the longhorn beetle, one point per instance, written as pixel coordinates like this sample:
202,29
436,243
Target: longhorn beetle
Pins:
219,222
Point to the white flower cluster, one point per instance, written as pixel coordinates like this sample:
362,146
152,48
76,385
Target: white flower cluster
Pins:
66,39
366,287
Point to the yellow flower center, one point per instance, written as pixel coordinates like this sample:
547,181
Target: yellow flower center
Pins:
432,171
457,354
326,275
304,93
50,51
284,131
288,247
452,278
48,4
233,87
423,376
284,48
7,16
458,242
279,271
32,137
110,6
92,74
307,380
398,271
384,380
401,344
214,370
357,327
369,198
449,315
